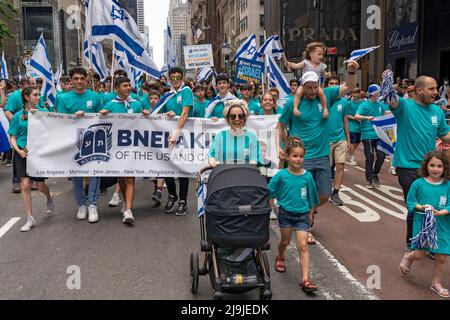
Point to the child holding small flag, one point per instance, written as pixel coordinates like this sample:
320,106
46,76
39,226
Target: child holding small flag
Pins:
431,192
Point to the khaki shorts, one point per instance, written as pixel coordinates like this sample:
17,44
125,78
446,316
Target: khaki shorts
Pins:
338,151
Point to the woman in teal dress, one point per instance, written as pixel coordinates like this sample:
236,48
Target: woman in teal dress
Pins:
235,145
432,192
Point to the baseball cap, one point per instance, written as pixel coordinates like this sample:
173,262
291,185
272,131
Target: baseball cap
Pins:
373,89
310,76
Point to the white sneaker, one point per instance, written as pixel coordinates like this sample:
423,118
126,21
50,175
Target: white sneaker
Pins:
273,215
50,205
82,213
124,208
93,214
115,200
353,162
128,217
31,223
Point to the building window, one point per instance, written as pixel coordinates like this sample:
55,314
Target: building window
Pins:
261,20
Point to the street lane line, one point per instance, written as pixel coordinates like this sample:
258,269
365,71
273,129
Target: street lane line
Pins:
356,167
8,226
403,210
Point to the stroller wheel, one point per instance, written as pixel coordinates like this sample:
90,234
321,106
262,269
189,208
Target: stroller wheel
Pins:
265,295
266,263
218,295
194,272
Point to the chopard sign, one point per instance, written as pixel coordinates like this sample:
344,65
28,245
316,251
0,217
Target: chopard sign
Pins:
397,40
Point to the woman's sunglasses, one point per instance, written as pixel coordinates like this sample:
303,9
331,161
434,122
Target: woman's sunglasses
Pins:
235,116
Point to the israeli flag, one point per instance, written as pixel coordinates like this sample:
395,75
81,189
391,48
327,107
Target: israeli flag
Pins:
98,58
143,63
206,73
358,54
248,49
272,48
40,64
386,129
201,197
4,68
165,69
4,138
57,77
107,19
277,80
171,53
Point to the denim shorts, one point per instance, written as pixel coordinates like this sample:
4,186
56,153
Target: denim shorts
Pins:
300,222
320,169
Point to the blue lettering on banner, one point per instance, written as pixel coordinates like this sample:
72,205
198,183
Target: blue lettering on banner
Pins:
160,139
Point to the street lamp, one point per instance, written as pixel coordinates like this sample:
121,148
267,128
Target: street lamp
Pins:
317,6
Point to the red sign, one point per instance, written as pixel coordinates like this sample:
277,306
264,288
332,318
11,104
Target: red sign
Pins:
332,51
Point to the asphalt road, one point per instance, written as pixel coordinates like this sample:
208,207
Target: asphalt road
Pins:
150,260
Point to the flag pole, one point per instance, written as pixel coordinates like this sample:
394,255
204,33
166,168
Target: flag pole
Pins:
113,65
90,46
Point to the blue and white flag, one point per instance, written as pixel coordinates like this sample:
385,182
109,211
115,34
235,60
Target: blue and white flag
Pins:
206,73
4,138
4,68
168,96
214,102
386,129
272,47
57,77
143,63
358,54
201,197
40,64
277,80
171,52
248,49
107,19
98,58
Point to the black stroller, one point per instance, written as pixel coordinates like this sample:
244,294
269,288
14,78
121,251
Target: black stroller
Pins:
234,232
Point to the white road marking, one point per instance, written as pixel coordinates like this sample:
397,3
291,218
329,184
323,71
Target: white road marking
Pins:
356,167
292,249
403,210
8,226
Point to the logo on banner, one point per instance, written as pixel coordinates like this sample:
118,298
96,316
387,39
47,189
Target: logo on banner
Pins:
94,144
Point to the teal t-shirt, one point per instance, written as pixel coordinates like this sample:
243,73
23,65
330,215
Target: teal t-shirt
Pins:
59,94
354,126
370,109
228,148
113,95
19,127
338,112
14,102
254,108
418,127
217,111
146,105
423,192
72,102
120,107
310,127
296,194
200,108
184,98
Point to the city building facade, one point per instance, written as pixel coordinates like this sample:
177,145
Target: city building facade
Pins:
178,16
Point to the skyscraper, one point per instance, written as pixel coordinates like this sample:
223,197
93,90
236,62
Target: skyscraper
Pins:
178,12
136,9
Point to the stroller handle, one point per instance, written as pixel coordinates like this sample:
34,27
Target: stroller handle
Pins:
203,170
199,175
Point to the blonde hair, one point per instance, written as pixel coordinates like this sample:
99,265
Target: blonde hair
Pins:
236,103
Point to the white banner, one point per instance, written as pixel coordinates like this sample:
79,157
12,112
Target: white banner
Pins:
121,145
198,56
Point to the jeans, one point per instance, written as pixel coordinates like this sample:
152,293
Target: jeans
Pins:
80,196
370,148
406,177
15,177
172,188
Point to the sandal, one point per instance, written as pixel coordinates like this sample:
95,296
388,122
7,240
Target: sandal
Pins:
405,265
311,239
440,291
308,287
279,265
